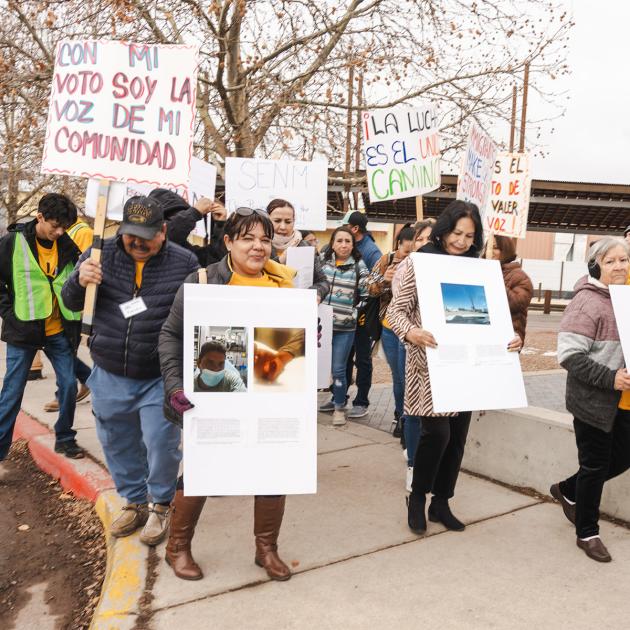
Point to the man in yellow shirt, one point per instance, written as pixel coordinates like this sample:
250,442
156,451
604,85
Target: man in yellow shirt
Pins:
35,259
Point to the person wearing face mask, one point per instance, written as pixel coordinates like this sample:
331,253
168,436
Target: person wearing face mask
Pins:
248,239
347,275
138,276
380,284
214,373
457,232
282,215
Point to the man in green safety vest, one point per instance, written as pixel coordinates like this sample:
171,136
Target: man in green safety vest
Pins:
35,260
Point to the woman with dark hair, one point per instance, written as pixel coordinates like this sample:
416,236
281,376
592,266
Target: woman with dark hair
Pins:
518,286
248,237
347,276
457,232
282,215
380,283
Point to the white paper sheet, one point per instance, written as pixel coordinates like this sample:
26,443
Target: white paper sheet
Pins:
620,297
464,305
253,183
324,352
302,259
264,440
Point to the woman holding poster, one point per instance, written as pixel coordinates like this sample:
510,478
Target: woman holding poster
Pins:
282,215
590,351
248,238
457,232
347,276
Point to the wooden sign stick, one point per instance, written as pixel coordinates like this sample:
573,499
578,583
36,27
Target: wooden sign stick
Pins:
489,246
97,249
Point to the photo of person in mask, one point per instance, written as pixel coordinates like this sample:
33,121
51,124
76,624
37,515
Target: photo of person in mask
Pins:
215,374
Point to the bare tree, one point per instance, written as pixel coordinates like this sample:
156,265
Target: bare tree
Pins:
273,79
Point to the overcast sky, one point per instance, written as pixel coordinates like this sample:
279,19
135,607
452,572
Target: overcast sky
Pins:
591,143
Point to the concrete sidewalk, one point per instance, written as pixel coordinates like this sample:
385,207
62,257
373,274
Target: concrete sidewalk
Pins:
356,563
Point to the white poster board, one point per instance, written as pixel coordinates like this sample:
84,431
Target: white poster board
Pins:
262,439
203,177
324,352
620,297
401,148
253,183
464,305
302,259
506,214
475,173
122,111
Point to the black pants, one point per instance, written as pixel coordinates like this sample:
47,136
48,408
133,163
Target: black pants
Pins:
601,456
439,454
361,357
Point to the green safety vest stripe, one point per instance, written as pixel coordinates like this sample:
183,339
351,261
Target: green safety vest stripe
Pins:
32,287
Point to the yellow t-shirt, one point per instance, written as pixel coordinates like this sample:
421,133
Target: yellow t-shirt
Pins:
624,402
83,237
48,260
139,271
241,281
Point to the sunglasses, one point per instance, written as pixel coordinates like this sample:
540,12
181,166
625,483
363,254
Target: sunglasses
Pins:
245,212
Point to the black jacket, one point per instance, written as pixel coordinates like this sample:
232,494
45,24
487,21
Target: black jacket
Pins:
181,219
31,334
128,347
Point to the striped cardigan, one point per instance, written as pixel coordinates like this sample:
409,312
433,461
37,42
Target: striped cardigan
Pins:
345,292
403,314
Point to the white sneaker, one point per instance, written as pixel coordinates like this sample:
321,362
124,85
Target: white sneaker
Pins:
409,480
339,418
156,527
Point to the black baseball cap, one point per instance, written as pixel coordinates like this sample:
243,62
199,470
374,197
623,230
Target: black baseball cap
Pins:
359,219
626,230
142,217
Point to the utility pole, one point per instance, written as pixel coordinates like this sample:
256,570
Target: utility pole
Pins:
513,121
346,197
521,147
357,146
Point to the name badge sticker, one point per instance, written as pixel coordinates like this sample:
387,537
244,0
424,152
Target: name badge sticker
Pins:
133,307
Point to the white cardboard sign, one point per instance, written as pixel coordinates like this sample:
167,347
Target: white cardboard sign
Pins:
464,305
506,214
203,178
324,352
401,147
475,173
302,259
620,297
262,440
122,111
253,183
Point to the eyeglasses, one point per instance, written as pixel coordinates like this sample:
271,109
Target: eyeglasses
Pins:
245,212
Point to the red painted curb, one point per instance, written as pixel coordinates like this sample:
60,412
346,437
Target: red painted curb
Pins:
83,477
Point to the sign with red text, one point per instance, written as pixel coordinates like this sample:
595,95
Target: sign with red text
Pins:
475,173
203,177
253,183
122,111
401,147
506,214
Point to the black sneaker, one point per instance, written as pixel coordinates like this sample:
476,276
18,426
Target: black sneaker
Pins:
70,449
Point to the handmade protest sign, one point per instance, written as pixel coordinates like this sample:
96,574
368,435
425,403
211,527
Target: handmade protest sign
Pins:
203,177
401,147
620,297
247,434
506,214
122,111
253,183
465,307
475,173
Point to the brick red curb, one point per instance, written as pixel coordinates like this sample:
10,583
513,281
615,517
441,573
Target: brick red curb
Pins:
83,477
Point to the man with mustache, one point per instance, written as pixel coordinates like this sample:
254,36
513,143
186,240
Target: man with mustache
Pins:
138,277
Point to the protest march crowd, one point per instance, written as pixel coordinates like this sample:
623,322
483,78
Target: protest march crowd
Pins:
136,345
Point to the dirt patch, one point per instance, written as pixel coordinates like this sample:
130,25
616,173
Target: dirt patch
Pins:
48,537
540,352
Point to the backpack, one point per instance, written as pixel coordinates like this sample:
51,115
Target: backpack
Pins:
368,312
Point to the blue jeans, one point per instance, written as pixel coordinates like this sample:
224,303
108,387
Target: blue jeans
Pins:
395,355
141,447
82,371
361,357
57,348
341,346
412,429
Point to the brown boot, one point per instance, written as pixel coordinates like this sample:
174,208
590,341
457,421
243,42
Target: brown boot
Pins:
268,512
185,514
